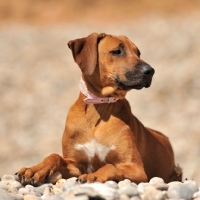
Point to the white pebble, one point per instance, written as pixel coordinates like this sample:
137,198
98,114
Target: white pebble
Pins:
196,194
156,180
4,185
112,184
152,193
124,197
15,184
10,185
69,183
103,190
135,198
56,189
22,191
17,196
123,183
174,183
128,190
5,196
134,184
61,181
7,177
182,191
40,190
141,187
192,185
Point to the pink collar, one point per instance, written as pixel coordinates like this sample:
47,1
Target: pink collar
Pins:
91,98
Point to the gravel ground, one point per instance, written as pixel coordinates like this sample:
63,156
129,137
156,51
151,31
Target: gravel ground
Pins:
39,81
71,189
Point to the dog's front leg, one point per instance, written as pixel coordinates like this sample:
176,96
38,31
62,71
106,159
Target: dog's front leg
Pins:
110,172
43,171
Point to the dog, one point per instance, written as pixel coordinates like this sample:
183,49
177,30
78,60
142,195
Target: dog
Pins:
102,139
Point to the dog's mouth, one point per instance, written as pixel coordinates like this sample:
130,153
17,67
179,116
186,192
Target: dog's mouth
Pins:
136,79
128,85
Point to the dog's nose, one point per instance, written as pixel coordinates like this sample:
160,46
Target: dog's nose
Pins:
147,70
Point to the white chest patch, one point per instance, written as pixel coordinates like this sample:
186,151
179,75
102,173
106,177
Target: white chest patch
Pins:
93,147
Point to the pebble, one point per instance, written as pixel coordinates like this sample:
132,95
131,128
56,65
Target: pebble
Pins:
40,190
112,184
7,177
30,197
135,198
141,187
29,189
183,191
162,186
81,197
5,196
62,181
124,197
103,190
14,184
196,195
174,183
156,180
56,189
11,186
128,190
22,191
134,184
4,185
67,184
192,186
151,193
158,183
17,196
55,197
70,189
123,183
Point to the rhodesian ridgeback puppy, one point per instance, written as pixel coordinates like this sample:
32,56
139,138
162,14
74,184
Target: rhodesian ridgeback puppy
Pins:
102,139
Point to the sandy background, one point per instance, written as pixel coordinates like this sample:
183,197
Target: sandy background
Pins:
39,79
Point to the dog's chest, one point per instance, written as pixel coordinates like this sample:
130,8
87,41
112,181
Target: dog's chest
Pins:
94,148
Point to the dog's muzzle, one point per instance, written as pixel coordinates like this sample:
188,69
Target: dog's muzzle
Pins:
147,70
138,78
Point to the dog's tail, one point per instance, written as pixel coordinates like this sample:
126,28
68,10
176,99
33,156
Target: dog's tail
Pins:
179,172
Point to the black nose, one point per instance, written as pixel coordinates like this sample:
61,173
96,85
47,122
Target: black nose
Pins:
147,70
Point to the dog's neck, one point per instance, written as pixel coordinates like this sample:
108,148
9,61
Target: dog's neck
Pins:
91,98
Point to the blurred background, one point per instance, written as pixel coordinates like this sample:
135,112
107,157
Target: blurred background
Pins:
39,79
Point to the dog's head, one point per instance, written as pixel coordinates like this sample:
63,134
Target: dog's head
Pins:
111,65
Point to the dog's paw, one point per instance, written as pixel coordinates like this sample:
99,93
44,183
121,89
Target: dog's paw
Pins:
43,172
91,178
28,176
81,180
36,175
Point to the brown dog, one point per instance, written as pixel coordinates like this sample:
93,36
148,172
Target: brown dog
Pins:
102,139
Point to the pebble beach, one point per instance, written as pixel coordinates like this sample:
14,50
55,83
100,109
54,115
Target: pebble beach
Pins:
71,189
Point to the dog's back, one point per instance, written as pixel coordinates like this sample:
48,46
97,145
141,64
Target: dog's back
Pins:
160,149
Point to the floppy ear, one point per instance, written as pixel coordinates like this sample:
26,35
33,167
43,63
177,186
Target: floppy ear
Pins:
85,53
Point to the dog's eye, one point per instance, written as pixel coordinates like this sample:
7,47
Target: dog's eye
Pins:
116,52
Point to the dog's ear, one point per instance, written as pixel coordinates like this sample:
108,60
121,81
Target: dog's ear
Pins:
85,53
